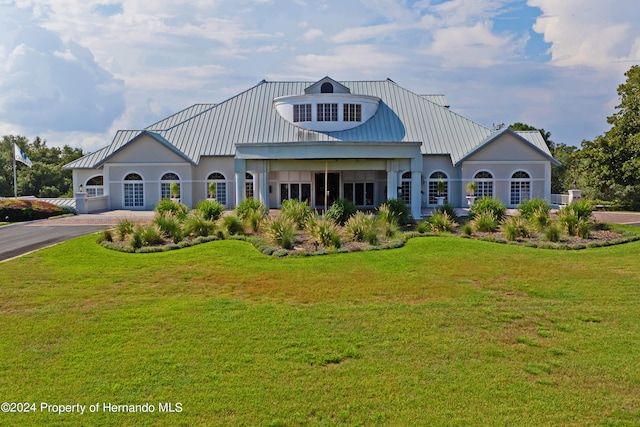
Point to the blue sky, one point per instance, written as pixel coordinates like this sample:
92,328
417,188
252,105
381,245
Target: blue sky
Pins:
73,72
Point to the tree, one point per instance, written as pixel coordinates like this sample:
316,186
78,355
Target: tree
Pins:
46,178
611,161
545,135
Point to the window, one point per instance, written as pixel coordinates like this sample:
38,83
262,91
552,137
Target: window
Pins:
295,191
302,113
520,187
248,186
165,185
326,88
405,188
133,191
352,113
95,186
217,187
484,180
434,180
327,112
360,193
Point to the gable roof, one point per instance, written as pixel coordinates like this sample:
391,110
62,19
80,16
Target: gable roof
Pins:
533,138
249,117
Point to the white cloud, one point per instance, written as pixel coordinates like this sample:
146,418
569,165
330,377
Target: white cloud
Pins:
590,32
312,34
365,61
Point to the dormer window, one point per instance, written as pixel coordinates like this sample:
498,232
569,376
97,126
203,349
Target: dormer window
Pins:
302,113
326,88
352,113
327,112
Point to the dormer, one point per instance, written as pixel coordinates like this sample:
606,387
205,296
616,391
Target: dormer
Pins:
327,106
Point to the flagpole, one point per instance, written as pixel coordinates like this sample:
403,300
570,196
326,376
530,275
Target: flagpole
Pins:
15,180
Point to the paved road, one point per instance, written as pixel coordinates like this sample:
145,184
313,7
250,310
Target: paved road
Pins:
19,239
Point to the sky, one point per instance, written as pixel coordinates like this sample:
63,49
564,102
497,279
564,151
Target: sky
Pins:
75,71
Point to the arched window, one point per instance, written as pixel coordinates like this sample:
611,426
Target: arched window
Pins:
326,88
405,188
95,186
217,187
520,187
434,182
248,186
133,191
165,185
484,180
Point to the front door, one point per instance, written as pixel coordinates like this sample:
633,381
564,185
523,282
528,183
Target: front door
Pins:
333,186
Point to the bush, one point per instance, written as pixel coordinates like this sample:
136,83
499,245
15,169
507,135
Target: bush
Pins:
394,211
449,210
358,227
197,225
515,228
169,226
568,219
529,207
423,226
232,225
583,229
325,232
485,221
553,232
540,219
442,222
467,229
341,210
487,204
250,207
105,236
210,209
178,209
17,210
281,231
151,236
582,209
124,228
298,212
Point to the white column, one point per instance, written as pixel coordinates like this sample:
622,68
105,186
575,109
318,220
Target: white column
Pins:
416,199
264,188
392,180
240,190
547,182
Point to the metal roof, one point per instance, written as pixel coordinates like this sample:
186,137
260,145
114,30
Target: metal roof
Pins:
249,117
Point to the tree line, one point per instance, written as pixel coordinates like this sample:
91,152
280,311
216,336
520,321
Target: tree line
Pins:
46,178
607,168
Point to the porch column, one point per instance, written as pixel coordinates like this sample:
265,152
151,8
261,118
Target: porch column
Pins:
392,179
547,182
240,187
416,196
264,188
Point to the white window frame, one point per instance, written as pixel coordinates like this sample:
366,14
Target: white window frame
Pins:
165,185
221,187
432,187
302,113
519,188
352,112
485,186
405,187
94,190
249,192
327,112
137,191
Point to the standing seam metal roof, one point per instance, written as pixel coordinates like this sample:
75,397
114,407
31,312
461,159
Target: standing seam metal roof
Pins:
249,117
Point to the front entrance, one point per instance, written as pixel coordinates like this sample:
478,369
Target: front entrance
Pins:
333,187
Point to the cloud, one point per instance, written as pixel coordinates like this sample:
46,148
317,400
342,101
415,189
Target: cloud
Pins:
312,34
589,33
358,60
49,84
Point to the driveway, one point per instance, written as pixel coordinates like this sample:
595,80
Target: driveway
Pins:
19,239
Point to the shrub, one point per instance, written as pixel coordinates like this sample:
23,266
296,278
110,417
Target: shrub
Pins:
485,221
170,226
281,231
124,228
449,210
341,210
583,229
210,209
359,226
529,207
487,204
467,229
442,222
298,212
423,226
568,219
178,209
249,207
197,225
105,236
540,219
553,232
325,232
255,220
232,225
16,210
136,237
581,209
515,228
151,236
394,211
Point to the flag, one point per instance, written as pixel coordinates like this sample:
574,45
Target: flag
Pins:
21,157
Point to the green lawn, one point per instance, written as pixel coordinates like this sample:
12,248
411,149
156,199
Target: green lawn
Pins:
444,331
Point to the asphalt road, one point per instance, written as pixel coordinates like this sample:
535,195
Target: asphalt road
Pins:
19,239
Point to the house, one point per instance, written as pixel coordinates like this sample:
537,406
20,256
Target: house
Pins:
366,141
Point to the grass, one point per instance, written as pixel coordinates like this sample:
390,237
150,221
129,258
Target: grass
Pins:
440,332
